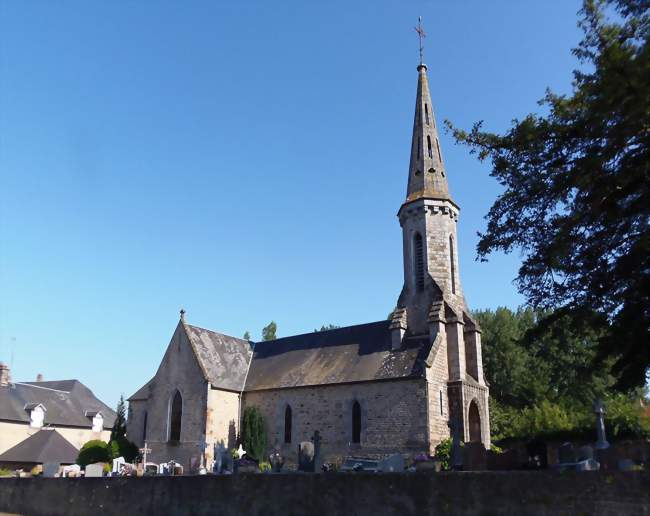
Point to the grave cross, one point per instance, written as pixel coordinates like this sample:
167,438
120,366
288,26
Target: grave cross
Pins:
144,451
601,441
202,446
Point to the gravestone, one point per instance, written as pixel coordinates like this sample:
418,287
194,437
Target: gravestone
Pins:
566,454
277,460
222,458
456,459
475,457
601,441
51,469
587,465
306,457
391,464
117,465
318,461
585,453
95,470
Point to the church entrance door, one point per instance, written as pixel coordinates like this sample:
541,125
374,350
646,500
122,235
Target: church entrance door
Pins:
474,422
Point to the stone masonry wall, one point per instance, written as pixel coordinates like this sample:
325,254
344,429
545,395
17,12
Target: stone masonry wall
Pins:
534,493
178,370
222,420
393,417
437,376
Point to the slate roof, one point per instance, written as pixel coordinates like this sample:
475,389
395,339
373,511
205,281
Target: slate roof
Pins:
352,354
66,403
223,359
44,446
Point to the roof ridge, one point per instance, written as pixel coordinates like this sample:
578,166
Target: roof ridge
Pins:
217,332
386,321
26,384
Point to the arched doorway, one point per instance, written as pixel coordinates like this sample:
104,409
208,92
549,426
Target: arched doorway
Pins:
474,423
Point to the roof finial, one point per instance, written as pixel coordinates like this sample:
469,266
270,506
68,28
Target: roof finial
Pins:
183,314
421,36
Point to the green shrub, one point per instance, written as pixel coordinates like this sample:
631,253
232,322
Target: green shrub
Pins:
93,451
265,467
443,453
122,447
254,433
4,472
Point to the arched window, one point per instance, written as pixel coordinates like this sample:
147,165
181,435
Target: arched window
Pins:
287,424
418,262
438,147
175,417
426,113
429,146
144,427
417,156
356,422
474,421
441,410
453,264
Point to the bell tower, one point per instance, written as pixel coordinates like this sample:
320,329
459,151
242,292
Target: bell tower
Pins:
431,307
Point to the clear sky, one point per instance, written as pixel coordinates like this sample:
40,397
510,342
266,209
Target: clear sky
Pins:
243,160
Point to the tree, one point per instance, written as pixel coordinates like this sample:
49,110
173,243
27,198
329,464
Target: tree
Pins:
93,451
119,445
254,438
327,327
247,335
576,199
268,332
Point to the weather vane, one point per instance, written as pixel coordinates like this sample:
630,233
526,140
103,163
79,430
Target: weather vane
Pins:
421,36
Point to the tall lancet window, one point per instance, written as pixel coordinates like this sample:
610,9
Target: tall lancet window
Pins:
453,264
287,424
429,146
418,262
356,422
438,147
175,417
426,113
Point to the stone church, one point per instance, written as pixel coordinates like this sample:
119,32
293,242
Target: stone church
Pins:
378,388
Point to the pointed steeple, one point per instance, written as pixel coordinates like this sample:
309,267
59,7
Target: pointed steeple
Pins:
427,175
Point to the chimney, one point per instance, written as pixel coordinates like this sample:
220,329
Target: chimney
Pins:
4,374
39,377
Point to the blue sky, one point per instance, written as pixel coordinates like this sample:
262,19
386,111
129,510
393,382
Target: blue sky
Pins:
245,161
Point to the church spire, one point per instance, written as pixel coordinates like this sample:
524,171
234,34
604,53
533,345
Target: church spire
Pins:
427,176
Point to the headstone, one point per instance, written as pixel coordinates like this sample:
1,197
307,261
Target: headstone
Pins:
357,464
117,465
456,459
475,457
623,465
601,441
202,447
276,460
566,454
585,453
51,469
306,456
318,461
587,465
222,458
73,470
95,470
391,464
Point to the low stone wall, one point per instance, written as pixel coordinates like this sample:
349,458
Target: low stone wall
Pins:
464,493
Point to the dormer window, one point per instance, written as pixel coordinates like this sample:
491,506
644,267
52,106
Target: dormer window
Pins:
97,419
36,414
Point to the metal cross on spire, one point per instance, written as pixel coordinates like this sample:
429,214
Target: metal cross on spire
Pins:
421,36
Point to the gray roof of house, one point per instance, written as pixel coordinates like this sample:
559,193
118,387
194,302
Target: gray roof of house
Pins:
66,403
223,359
44,446
352,354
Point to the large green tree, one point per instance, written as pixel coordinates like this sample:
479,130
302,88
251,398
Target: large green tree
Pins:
576,199
268,332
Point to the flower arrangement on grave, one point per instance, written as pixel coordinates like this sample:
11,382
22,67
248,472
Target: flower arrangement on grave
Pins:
265,467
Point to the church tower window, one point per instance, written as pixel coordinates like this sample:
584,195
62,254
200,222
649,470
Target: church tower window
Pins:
426,113
453,264
429,146
175,417
418,262
287,424
438,147
441,409
356,422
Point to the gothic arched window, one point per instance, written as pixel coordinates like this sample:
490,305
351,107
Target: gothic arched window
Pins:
287,424
429,146
418,262
453,264
144,427
426,113
356,422
175,417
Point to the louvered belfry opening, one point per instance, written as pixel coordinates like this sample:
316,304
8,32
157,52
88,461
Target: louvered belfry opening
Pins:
418,256
356,422
452,267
